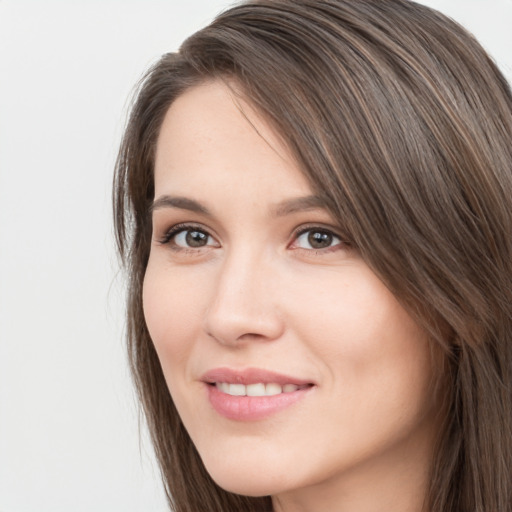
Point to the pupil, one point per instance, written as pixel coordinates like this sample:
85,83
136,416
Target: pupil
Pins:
319,240
196,238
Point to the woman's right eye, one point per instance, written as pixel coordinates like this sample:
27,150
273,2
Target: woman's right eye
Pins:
188,237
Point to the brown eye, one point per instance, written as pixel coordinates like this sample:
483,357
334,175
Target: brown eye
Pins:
190,238
320,239
196,238
316,239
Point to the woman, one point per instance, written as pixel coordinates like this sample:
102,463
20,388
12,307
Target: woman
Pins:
313,200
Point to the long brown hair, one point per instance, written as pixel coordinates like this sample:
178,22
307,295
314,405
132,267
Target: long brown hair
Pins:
404,124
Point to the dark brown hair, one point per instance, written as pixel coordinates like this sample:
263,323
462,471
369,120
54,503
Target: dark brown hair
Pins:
401,121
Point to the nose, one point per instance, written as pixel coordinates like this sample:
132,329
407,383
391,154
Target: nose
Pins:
243,306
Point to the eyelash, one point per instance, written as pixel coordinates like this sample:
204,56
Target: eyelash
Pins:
176,230
318,229
168,237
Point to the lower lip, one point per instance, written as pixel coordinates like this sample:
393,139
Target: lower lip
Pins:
252,408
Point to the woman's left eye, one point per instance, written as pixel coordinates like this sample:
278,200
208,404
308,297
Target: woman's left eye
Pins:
316,239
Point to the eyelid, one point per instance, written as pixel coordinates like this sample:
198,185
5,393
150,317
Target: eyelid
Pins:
343,240
176,229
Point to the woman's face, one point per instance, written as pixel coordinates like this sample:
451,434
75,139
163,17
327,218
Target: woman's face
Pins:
291,365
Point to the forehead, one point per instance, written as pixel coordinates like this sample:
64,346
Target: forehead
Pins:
211,135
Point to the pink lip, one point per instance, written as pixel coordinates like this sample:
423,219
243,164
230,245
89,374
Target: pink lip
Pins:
250,376
251,408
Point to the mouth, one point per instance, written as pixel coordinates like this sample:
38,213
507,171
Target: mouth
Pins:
257,389
252,394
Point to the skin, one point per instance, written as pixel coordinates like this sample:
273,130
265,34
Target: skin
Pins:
258,295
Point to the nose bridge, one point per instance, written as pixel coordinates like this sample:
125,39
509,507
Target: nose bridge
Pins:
243,304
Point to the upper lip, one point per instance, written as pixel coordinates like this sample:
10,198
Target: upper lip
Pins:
250,376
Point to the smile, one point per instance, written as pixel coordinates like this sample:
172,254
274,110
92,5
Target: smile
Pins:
253,394
257,389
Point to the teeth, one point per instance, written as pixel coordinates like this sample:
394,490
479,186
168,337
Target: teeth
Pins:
236,389
223,386
255,389
273,389
258,389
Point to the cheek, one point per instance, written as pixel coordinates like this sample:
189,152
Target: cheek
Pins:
172,310
372,349
351,313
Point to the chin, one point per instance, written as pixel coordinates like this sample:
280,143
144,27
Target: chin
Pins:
246,481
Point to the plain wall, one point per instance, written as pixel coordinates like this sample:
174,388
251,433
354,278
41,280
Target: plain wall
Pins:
69,426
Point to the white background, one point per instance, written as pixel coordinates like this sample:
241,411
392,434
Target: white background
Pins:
69,428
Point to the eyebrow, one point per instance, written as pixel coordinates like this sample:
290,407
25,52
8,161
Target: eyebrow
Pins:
183,203
281,209
298,204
